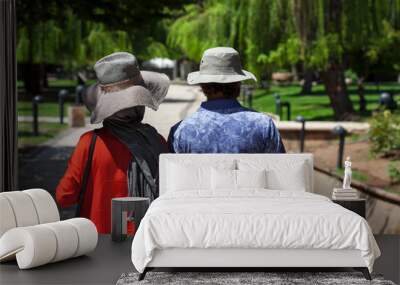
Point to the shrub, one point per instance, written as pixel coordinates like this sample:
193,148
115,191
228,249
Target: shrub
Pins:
384,134
394,171
350,74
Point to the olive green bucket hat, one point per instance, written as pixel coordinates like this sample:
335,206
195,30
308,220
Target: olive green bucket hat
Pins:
220,65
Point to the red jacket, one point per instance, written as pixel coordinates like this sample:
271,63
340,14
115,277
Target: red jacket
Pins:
107,179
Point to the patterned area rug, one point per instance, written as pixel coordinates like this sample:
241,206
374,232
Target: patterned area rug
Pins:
242,278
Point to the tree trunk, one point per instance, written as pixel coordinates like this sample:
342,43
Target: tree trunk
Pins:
33,79
360,91
45,81
32,72
308,75
335,86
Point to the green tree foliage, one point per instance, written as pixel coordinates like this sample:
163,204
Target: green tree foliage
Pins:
384,137
73,44
323,35
394,171
75,33
252,27
384,134
204,26
369,28
140,18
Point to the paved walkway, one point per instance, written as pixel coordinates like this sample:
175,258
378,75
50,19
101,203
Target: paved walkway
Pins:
41,119
44,167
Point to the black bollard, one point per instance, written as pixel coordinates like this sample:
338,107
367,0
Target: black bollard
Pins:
288,111
387,101
247,95
302,136
278,105
250,98
61,99
341,132
35,113
243,92
78,94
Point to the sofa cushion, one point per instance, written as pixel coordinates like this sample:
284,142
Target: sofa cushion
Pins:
23,208
26,208
7,218
45,243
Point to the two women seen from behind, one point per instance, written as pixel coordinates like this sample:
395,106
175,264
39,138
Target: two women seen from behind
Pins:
121,158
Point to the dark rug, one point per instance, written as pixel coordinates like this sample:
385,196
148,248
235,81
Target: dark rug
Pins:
228,278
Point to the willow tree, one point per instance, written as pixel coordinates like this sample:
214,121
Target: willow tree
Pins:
29,22
332,67
307,13
67,41
145,22
252,27
333,35
73,45
74,33
327,36
214,23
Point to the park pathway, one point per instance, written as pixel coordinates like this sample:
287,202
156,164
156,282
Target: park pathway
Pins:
44,166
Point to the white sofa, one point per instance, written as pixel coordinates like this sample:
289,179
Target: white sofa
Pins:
31,231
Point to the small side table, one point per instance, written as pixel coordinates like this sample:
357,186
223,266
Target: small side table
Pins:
121,208
357,206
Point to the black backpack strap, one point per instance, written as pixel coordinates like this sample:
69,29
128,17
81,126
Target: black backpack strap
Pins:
86,174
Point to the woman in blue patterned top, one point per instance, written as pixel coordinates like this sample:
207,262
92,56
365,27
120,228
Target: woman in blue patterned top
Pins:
222,125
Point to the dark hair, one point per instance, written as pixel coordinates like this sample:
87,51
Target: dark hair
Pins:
229,90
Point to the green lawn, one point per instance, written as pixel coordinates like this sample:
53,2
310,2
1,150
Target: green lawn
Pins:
62,83
46,132
50,106
45,109
315,106
59,83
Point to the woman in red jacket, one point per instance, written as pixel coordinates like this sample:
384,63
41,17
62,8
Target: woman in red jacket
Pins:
126,151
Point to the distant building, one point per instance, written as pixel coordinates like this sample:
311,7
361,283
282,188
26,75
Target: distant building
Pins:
173,68
162,65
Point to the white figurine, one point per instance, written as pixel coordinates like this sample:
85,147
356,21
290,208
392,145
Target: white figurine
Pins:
347,174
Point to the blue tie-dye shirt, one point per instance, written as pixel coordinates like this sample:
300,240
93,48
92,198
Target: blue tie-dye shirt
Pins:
224,126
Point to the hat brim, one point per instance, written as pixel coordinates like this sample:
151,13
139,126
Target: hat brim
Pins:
197,78
150,94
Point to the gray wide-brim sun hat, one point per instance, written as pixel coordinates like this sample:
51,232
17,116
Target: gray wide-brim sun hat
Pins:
122,85
220,65
89,97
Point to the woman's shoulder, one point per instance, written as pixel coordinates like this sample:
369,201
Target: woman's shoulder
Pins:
86,137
